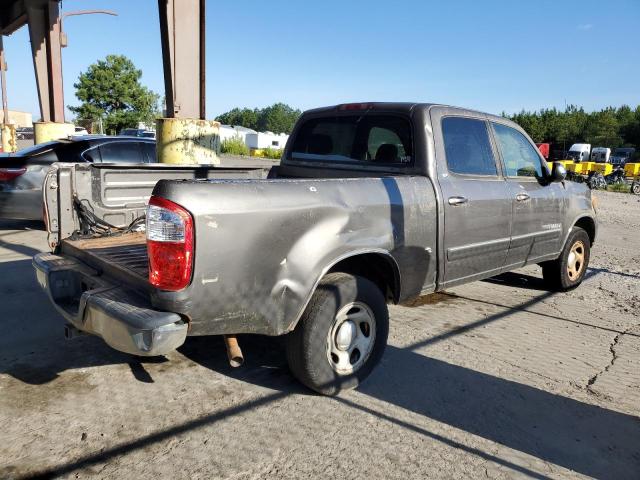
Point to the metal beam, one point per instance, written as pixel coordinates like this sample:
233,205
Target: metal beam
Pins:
182,36
3,81
44,32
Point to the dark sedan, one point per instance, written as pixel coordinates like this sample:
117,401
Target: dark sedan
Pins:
22,173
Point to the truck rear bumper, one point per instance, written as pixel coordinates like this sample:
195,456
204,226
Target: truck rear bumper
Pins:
124,319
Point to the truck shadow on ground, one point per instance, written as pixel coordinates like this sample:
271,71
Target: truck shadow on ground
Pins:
553,428
519,280
582,437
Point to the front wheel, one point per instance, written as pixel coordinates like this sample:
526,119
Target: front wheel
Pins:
635,188
568,270
341,335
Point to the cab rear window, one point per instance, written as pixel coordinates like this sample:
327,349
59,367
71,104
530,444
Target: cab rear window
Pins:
366,138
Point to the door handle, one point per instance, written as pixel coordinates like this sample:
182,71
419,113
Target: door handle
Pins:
457,201
522,197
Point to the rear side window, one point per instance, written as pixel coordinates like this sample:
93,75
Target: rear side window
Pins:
367,138
520,158
121,152
150,151
467,146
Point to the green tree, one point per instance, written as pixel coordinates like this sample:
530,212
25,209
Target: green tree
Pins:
111,90
244,117
278,118
610,127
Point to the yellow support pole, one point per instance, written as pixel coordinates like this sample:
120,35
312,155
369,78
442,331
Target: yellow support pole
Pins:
185,141
9,142
47,131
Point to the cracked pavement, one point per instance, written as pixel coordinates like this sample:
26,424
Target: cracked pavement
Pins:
496,379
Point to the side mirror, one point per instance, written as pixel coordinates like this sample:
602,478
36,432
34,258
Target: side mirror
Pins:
558,172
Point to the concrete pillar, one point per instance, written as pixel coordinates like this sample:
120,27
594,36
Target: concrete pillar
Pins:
47,131
9,143
184,141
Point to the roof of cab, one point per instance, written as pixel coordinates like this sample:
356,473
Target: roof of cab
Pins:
406,107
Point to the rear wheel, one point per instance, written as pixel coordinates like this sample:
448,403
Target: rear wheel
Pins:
635,188
341,335
567,271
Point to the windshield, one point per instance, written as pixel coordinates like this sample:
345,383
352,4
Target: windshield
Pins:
375,138
622,153
574,155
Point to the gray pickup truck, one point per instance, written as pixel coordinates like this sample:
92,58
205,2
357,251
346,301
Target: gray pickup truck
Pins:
371,204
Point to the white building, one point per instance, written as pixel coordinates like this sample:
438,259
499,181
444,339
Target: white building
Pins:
231,131
259,140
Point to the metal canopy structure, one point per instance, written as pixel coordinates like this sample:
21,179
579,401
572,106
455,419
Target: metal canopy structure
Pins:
43,20
185,136
182,33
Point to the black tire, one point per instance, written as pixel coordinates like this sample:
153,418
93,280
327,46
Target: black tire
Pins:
635,188
557,274
308,345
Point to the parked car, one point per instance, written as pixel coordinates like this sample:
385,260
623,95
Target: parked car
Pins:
372,204
80,131
137,132
622,155
22,173
24,133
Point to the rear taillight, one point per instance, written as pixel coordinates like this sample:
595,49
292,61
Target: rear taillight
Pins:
7,174
169,244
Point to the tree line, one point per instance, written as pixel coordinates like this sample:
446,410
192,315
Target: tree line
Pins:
610,127
278,118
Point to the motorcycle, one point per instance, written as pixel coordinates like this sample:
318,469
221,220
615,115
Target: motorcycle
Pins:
596,181
616,177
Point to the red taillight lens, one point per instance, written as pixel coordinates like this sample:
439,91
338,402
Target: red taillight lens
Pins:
169,244
355,106
7,174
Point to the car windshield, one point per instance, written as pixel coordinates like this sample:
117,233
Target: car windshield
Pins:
375,138
575,155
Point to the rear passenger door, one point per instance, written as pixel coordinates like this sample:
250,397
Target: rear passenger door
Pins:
121,152
476,199
538,205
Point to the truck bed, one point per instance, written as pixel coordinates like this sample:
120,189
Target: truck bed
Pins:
121,256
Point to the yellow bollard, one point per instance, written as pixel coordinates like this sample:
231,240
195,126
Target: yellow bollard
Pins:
184,141
47,131
9,142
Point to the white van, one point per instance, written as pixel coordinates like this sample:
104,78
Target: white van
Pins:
579,152
600,154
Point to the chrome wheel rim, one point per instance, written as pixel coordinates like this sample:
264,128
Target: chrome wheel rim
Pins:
351,338
575,262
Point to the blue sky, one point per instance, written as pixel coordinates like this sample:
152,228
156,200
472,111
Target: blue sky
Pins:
491,55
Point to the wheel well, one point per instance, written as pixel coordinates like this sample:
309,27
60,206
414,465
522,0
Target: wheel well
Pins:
589,226
376,267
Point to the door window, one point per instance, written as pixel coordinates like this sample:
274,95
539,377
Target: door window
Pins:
519,156
467,146
150,151
92,155
121,152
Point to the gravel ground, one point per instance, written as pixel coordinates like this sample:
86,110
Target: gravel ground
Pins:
497,379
